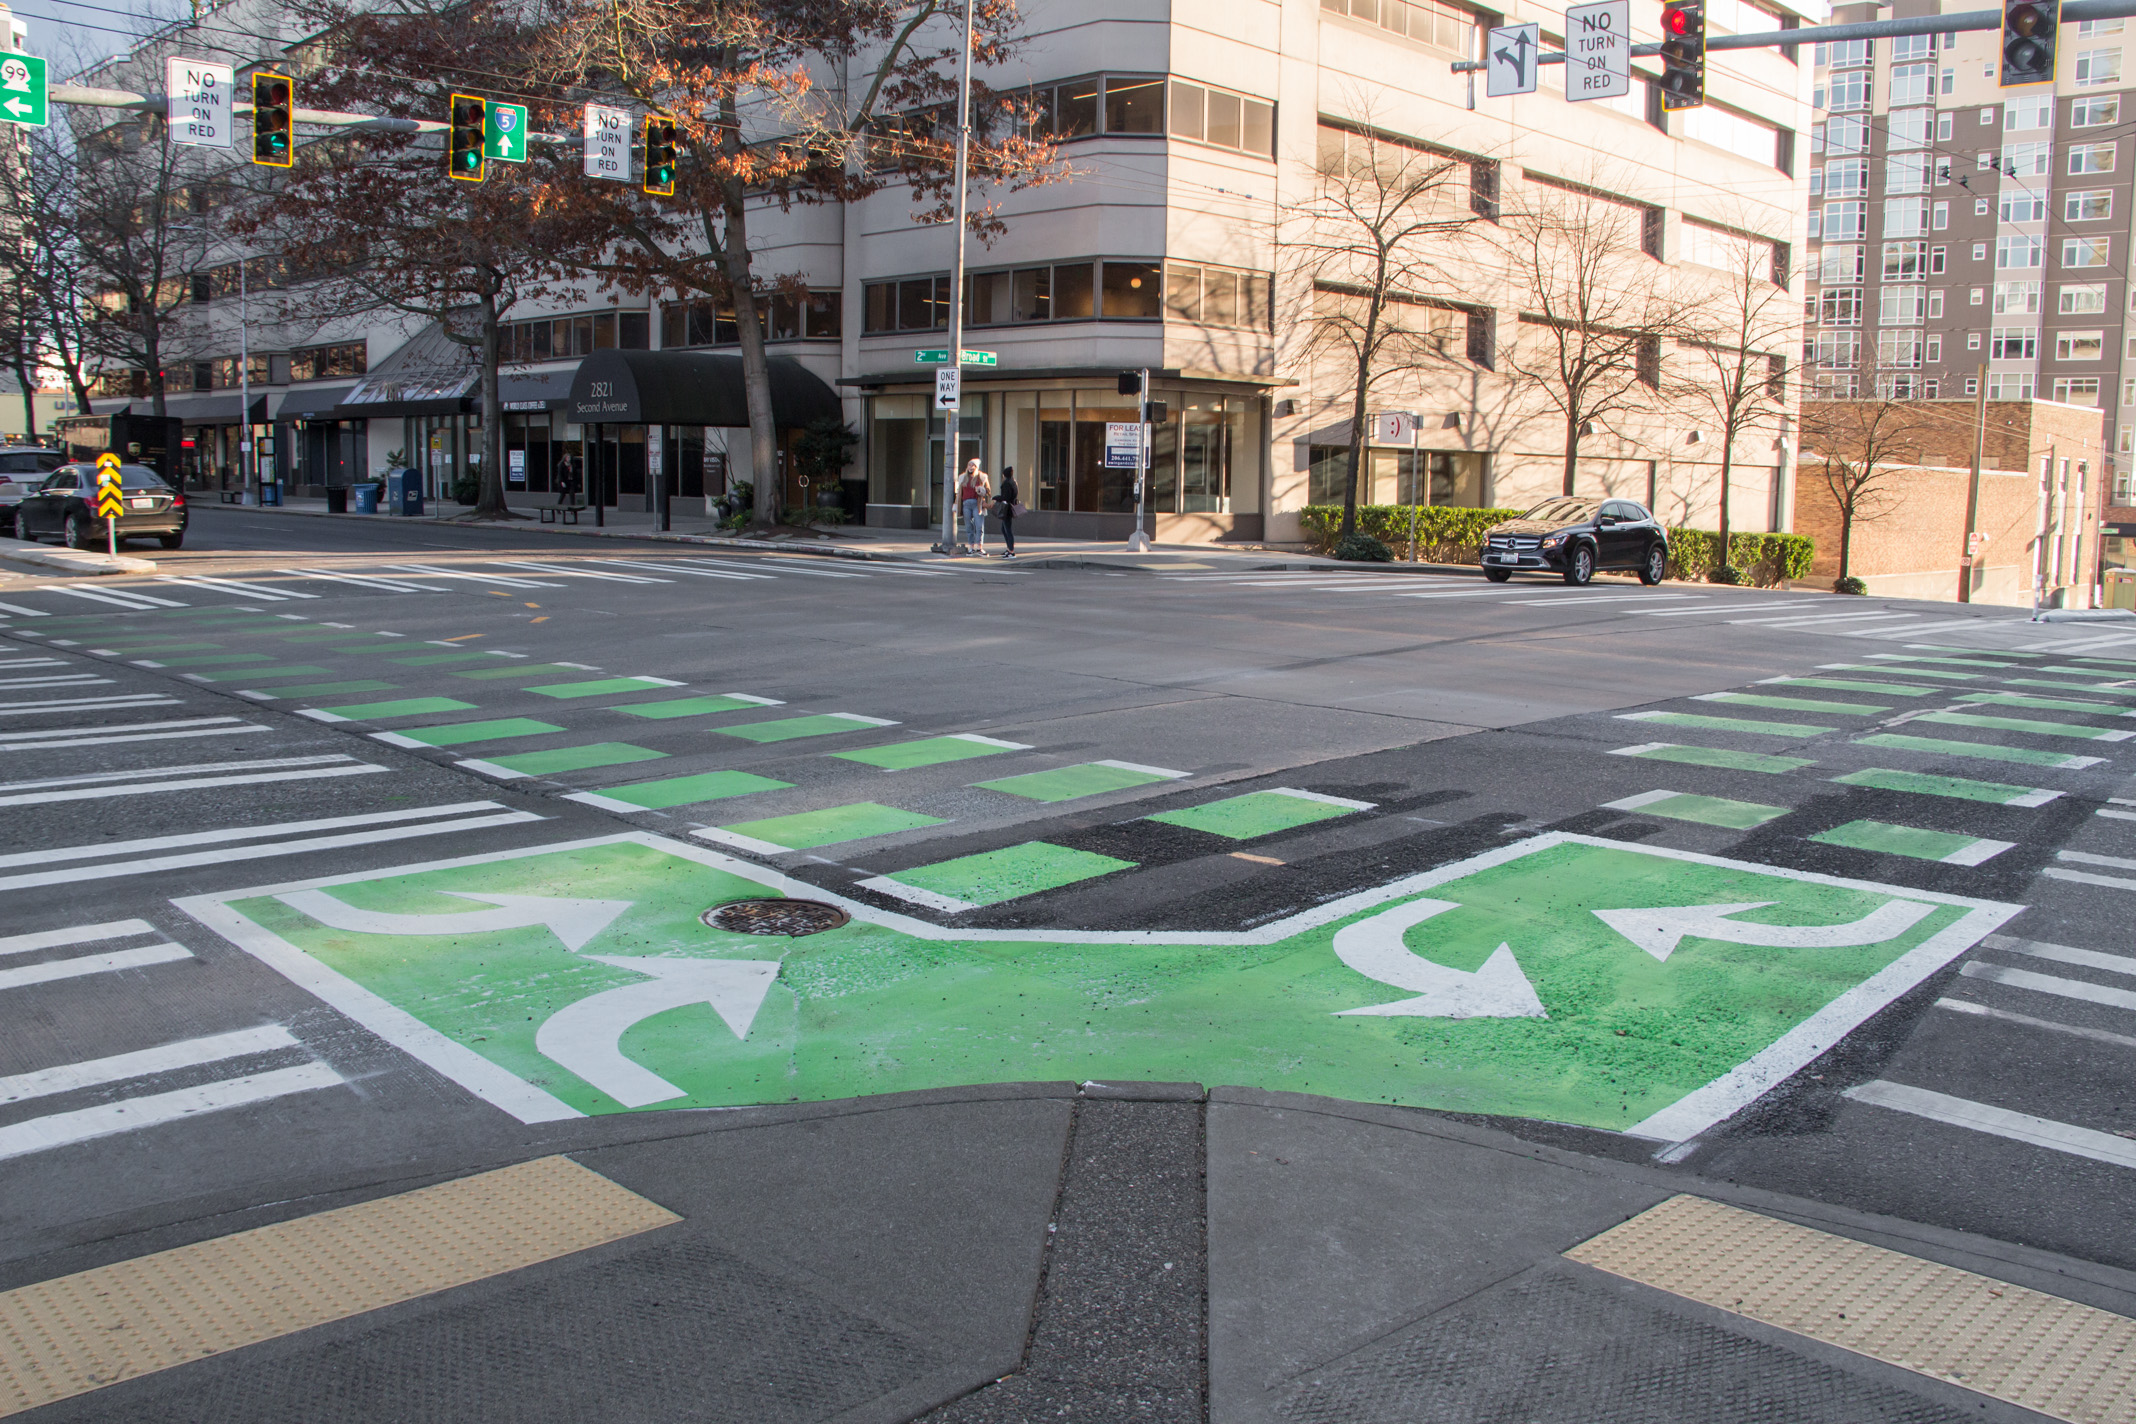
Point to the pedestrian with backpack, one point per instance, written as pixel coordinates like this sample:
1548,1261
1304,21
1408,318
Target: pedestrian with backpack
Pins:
1005,510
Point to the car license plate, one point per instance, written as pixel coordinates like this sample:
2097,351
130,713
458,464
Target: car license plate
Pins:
1501,558
140,504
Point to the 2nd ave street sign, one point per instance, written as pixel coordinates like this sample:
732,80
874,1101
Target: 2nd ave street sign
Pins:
1649,991
22,90
939,356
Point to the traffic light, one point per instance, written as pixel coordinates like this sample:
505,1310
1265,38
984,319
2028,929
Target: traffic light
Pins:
659,155
470,119
1683,54
274,100
2028,41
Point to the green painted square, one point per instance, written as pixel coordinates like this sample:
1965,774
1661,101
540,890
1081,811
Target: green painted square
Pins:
1979,751
268,674
926,751
461,733
832,825
1070,783
2022,724
499,674
439,659
1712,811
1732,724
1995,793
1795,704
689,790
1010,873
406,707
687,707
1722,757
575,758
334,689
1257,813
1887,839
786,729
600,687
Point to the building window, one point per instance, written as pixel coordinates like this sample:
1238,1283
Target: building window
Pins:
2091,158
1898,351
1847,178
1845,54
1901,306
1980,252
1847,135
2077,390
1078,108
1972,385
2017,298
1980,207
1024,294
1729,251
1935,304
2094,29
2023,207
1936,259
1976,296
2079,345
2097,67
2009,385
2088,205
1935,349
2087,299
2085,251
1223,119
2027,160
1910,83
325,363
1842,264
782,316
1440,26
1216,296
1739,134
2017,252
1839,306
1904,172
2028,111
1906,217
1943,128
1834,350
1903,261
2013,343
2090,113
1972,341
1940,217
1931,387
1907,128
1849,92
2128,397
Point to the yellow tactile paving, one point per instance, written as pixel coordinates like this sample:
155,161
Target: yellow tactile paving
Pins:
65,1337
2052,1355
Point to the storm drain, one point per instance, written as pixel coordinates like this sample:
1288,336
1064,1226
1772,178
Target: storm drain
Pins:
793,918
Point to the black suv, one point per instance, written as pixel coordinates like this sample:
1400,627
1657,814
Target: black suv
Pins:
1575,537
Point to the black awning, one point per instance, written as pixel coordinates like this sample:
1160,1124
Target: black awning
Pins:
690,388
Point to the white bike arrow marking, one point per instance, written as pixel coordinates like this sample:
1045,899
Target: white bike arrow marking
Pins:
1659,931
1374,948
587,1037
572,921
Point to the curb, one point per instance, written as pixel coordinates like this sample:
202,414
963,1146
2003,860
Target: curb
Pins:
77,561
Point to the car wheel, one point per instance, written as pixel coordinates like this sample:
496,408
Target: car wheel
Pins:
171,541
1656,565
1498,575
1580,566
78,533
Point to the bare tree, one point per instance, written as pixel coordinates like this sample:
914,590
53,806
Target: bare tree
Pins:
1365,251
1596,306
1863,444
1737,338
45,317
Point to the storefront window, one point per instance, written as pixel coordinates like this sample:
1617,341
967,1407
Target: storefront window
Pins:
897,450
1133,291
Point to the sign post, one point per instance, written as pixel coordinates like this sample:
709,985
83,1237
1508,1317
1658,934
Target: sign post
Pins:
197,103
110,504
1598,50
22,90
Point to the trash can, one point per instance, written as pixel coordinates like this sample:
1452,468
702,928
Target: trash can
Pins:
337,500
366,498
270,493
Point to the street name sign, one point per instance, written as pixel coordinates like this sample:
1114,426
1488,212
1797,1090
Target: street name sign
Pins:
949,388
22,90
1636,988
939,356
607,143
1598,50
1510,58
504,133
197,102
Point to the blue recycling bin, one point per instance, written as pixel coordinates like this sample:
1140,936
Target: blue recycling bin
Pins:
366,498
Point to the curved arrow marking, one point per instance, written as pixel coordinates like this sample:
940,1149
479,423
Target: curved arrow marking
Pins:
572,921
1659,931
587,1037
1374,948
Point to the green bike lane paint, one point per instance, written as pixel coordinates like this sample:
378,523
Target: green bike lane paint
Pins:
1614,985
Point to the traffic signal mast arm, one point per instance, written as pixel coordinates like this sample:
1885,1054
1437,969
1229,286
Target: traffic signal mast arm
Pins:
2071,12
92,98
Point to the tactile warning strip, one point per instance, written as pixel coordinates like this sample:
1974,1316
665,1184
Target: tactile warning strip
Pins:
2051,1355
78,1333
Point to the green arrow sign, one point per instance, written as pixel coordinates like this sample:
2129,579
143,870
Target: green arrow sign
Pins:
940,357
504,133
1569,978
22,90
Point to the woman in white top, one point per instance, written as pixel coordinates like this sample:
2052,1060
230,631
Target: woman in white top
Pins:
976,493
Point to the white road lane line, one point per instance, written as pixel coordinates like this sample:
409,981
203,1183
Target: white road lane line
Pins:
243,833
76,934
1751,608
575,571
2085,877
130,600
1798,620
103,740
2064,954
431,571
88,704
388,585
82,966
241,589
225,854
2097,1035
20,612
1998,1122
193,783
79,679
2051,984
143,1063
203,767
65,1129
2112,862
50,732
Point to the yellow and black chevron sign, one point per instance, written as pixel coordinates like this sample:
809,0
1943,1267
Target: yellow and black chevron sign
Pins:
110,504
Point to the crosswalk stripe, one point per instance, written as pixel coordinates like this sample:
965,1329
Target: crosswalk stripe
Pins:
2098,1035
243,833
100,739
432,571
2066,954
1798,620
67,680
131,1114
348,767
1756,608
236,586
2051,984
145,1062
1997,1122
75,934
680,569
129,599
20,612
576,571
88,704
389,585
82,966
94,777
804,567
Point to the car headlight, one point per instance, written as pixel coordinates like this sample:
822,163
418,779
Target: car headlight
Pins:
1553,541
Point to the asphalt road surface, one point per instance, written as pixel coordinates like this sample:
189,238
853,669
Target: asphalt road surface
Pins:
346,857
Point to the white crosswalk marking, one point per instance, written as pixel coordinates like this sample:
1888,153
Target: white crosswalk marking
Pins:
67,680
146,1062
359,581
236,586
576,571
20,612
109,962
432,571
18,742
156,1109
147,780
1998,1122
127,598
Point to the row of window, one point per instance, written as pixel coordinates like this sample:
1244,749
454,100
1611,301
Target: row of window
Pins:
561,337
1109,290
1911,128
1842,306
1441,26
222,373
1101,104
1842,350
817,315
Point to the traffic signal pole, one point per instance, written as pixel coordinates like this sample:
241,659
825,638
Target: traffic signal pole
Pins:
953,418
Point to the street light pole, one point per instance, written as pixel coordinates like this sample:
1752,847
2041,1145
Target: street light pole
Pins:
953,418
244,384
1140,542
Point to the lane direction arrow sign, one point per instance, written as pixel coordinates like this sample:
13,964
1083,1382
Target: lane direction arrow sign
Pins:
574,922
1374,948
1598,50
1660,931
1510,54
22,90
587,1037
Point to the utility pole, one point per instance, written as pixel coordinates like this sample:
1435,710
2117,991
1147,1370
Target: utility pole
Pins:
1972,498
1139,542
953,417
244,385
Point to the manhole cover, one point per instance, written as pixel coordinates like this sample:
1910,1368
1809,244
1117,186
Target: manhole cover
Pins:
775,917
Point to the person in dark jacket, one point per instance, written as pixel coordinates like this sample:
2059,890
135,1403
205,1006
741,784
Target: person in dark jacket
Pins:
567,481
1005,510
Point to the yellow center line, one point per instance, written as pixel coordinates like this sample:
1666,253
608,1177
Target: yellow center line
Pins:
463,637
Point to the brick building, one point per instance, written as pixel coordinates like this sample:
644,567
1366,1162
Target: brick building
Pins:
2041,497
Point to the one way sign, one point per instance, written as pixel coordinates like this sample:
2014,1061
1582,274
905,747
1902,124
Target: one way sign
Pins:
1511,56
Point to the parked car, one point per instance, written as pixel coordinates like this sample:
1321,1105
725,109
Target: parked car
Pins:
64,506
1576,537
22,469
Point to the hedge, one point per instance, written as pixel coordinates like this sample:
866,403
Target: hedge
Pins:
1446,535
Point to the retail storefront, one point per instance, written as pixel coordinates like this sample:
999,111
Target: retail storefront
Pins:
1208,475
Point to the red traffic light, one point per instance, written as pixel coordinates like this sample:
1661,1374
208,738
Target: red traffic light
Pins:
1678,22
